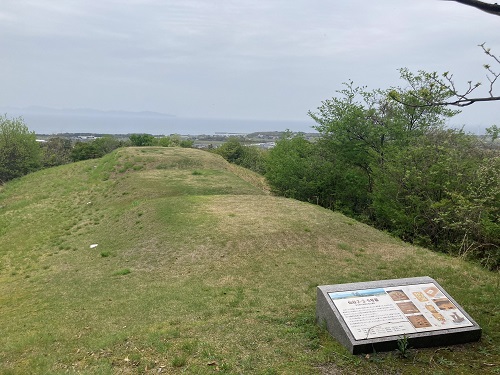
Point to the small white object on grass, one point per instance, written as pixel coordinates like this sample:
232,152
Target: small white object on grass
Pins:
93,245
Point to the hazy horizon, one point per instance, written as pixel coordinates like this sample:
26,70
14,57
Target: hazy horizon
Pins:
78,120
45,120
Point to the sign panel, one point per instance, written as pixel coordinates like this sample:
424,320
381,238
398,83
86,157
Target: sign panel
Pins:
374,315
399,310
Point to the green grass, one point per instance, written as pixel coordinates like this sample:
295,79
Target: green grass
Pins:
199,273
122,272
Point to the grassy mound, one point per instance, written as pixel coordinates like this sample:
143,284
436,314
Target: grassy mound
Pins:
172,260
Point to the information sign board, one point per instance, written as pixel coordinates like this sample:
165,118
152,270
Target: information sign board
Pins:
381,312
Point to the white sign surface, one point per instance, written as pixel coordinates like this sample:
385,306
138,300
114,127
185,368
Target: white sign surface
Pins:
398,310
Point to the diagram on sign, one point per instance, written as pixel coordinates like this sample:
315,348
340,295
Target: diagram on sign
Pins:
382,312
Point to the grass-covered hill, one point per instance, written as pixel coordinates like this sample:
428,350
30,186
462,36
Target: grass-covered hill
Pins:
198,270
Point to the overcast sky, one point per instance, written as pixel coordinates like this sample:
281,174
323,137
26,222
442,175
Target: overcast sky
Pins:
249,59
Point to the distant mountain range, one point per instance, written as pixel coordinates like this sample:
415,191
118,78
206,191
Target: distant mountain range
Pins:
80,112
45,120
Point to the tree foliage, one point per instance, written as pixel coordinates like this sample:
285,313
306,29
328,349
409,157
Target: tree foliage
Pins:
246,156
96,148
20,153
398,168
173,140
293,169
142,140
56,151
363,129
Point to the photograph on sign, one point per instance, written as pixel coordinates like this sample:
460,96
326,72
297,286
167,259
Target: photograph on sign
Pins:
382,312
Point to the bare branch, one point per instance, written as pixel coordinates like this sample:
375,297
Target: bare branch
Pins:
488,68
431,89
463,102
481,5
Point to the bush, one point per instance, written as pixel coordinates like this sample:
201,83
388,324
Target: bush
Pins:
56,151
142,140
20,153
96,148
249,157
399,169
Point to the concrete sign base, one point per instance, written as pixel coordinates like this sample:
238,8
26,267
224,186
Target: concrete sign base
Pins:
373,316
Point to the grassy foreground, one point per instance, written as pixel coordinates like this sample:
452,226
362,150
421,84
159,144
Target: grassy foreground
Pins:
199,270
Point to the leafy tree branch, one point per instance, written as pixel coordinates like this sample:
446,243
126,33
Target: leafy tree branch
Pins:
432,89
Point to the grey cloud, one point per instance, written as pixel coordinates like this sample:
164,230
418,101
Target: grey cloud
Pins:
250,59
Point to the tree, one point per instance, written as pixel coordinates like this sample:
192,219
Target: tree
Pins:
398,168
56,151
364,126
419,178
164,142
96,148
186,143
20,153
246,156
433,89
84,151
142,140
105,144
175,140
232,150
293,168
493,132
481,5
254,158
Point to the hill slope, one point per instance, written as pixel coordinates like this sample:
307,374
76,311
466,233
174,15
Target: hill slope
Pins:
197,269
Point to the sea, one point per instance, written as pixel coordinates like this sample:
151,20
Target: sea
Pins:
48,121
103,123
